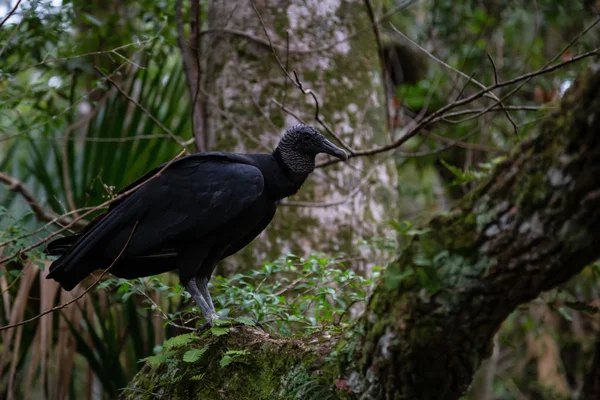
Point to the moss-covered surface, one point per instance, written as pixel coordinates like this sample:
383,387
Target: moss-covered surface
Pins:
271,367
531,225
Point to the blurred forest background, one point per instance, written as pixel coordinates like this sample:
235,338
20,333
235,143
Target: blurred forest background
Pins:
95,93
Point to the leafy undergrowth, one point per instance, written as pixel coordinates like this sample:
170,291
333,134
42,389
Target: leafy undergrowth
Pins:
292,295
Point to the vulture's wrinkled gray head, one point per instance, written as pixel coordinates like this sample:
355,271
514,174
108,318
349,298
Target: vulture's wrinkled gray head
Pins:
300,145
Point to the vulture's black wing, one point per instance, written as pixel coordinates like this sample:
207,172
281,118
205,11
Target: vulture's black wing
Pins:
196,194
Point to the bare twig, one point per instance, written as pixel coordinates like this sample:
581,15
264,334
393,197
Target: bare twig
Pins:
40,212
115,51
10,13
287,65
192,70
465,86
14,31
288,111
440,113
79,225
470,78
384,72
321,49
547,67
56,308
500,102
460,143
156,307
298,83
143,109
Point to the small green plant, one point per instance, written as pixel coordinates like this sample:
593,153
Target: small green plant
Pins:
291,295
472,174
231,356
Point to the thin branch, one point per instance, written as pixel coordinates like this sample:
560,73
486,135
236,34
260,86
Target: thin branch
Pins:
288,111
465,86
546,66
461,143
287,65
384,72
440,113
500,102
115,51
56,308
296,81
10,13
310,92
143,109
470,78
156,307
496,80
15,185
79,225
14,31
191,68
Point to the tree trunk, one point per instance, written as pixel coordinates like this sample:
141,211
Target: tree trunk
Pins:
532,225
244,83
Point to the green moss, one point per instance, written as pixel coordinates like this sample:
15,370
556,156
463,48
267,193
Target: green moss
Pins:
272,368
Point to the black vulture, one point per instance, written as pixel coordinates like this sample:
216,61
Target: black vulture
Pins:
199,210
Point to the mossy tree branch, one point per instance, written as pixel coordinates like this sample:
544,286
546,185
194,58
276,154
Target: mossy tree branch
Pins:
430,322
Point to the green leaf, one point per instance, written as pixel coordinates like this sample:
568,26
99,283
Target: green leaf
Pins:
158,359
230,356
225,361
236,352
245,321
194,355
180,341
197,377
218,331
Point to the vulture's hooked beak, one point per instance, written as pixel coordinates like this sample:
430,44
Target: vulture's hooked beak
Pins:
332,149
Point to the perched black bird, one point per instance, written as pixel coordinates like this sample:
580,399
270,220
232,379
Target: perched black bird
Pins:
199,210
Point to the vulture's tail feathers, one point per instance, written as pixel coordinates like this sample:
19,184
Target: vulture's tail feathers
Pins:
62,245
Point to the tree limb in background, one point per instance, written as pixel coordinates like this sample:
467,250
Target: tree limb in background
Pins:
532,225
15,185
190,54
441,113
10,13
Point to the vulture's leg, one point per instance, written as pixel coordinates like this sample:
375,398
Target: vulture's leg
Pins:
203,287
207,310
202,282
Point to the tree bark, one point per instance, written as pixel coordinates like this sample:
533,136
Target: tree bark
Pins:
244,86
532,225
